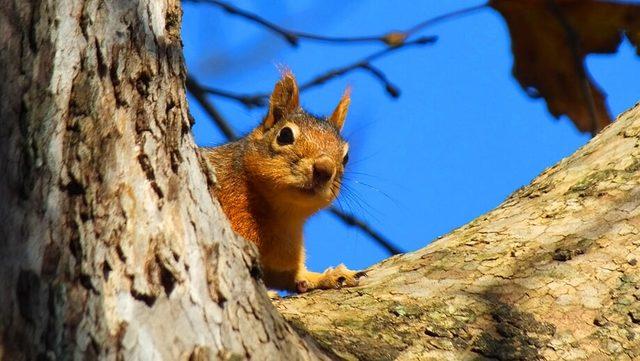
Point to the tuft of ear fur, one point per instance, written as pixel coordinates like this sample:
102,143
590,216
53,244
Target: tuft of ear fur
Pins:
284,100
340,113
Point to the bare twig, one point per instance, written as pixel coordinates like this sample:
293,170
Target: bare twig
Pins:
199,93
291,36
391,89
448,16
574,45
353,221
251,101
395,40
365,64
392,38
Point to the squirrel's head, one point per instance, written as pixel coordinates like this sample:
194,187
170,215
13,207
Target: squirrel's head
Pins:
299,159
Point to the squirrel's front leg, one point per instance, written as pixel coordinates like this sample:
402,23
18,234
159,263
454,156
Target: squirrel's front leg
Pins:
337,277
284,268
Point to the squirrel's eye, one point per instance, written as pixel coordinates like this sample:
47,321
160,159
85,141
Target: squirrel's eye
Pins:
345,159
285,136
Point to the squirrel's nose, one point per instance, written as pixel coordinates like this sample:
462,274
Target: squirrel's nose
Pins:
323,170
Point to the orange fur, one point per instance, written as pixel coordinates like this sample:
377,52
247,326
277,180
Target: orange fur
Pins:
268,187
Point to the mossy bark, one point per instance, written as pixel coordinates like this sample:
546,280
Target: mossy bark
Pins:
111,246
552,273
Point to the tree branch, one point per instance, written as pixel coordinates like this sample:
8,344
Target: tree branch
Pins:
391,38
293,37
365,64
259,100
465,11
249,101
200,94
502,286
351,220
395,40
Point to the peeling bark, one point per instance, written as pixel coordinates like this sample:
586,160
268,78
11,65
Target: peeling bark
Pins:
111,246
552,273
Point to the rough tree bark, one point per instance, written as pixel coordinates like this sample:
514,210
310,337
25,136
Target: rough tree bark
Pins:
111,246
552,273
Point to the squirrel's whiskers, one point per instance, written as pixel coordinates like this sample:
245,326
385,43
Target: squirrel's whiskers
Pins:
273,179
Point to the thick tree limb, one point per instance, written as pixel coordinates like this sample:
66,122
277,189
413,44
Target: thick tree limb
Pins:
552,273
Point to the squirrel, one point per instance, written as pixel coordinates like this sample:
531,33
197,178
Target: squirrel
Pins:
273,179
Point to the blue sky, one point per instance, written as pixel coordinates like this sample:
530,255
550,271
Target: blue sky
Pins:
461,137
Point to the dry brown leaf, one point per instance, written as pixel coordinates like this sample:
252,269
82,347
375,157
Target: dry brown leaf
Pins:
550,40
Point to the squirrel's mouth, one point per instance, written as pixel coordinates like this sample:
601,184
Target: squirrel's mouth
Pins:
311,190
315,190
321,188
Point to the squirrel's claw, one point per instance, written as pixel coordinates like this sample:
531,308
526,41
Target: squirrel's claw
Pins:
302,286
331,278
361,274
344,277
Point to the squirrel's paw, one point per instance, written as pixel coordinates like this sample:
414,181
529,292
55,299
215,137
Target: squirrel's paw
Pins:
331,278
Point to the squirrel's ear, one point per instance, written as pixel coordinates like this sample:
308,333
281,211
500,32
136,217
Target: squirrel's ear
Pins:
284,100
340,113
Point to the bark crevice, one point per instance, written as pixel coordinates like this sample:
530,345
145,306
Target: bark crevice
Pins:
108,223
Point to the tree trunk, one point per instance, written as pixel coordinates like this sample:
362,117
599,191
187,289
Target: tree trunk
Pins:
552,273
111,245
